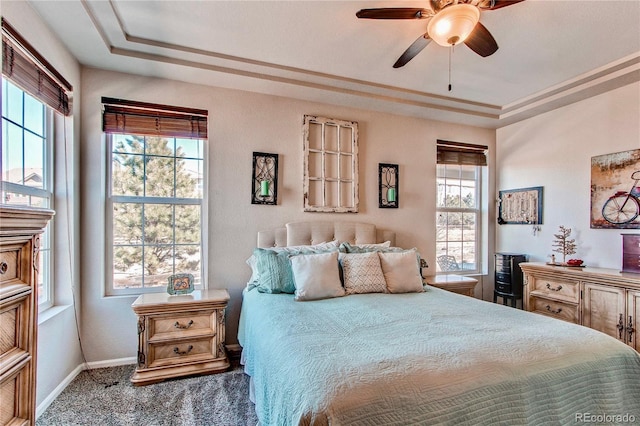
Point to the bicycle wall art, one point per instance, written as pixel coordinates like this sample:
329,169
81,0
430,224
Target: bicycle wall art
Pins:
615,190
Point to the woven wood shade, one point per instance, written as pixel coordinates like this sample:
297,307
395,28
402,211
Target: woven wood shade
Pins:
461,153
139,118
26,68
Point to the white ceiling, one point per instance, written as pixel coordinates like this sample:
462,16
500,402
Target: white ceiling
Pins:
551,52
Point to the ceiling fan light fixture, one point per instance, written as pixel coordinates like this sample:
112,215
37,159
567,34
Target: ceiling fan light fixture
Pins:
453,24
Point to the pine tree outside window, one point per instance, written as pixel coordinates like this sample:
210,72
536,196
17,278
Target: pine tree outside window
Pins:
156,210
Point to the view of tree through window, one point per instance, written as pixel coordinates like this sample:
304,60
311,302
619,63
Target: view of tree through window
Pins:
457,217
156,193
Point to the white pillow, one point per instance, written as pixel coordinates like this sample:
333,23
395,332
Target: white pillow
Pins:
316,276
401,271
362,273
252,262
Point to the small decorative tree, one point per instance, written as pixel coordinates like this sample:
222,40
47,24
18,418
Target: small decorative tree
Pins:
563,244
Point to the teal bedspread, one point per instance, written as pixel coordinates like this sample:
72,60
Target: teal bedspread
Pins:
429,358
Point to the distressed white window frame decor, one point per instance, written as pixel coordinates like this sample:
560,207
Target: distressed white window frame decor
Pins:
330,165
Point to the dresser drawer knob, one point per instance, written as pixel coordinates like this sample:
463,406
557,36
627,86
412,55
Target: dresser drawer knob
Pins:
183,327
179,352
3,267
557,311
554,289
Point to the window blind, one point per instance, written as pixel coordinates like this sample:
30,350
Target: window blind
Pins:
131,117
461,153
26,68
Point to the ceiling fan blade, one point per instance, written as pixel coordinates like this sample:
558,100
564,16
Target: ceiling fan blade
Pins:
395,13
415,48
496,4
481,41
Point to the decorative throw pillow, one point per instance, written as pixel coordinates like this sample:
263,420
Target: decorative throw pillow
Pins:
316,248
274,271
362,273
401,271
316,276
368,248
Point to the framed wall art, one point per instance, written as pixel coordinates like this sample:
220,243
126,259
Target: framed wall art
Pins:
520,206
615,190
388,180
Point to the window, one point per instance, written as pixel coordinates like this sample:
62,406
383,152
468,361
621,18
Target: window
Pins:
27,167
32,90
459,207
156,207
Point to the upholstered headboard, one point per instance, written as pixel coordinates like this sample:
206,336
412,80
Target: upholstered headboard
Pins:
305,233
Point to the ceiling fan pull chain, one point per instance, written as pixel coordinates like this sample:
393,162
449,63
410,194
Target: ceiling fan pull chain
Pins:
450,52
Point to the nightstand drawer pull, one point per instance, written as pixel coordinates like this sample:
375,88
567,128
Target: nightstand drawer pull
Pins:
557,311
183,327
179,352
3,267
554,289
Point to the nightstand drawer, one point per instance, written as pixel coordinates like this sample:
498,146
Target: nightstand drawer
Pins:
182,351
560,310
184,324
568,291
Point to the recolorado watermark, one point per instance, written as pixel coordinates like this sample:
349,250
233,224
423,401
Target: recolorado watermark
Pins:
605,418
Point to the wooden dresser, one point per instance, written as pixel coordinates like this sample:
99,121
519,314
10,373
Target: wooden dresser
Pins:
180,335
603,299
20,230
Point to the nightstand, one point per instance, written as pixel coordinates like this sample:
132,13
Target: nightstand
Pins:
453,283
180,335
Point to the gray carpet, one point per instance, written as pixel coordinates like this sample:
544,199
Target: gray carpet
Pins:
106,397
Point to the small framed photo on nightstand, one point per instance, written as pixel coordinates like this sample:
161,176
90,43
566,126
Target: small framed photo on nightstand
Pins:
180,284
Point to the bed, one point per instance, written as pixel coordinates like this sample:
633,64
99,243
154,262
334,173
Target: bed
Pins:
421,357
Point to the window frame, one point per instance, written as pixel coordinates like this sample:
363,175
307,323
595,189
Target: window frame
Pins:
477,211
46,297
109,288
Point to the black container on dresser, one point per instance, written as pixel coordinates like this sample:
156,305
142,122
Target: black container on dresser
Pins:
508,277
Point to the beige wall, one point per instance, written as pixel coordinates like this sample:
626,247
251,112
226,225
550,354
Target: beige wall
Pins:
554,150
240,123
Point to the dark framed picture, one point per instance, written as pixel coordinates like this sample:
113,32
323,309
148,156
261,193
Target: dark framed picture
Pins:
180,284
520,206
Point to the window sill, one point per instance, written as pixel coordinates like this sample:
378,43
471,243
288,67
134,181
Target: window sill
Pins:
51,312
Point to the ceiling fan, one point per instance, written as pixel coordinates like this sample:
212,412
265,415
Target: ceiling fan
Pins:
450,22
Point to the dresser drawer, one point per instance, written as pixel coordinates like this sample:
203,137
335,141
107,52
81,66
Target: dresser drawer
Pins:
14,389
9,265
13,340
631,263
182,351
568,291
182,325
503,288
555,309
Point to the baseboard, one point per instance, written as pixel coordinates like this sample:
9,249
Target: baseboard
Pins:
90,366
111,363
58,390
